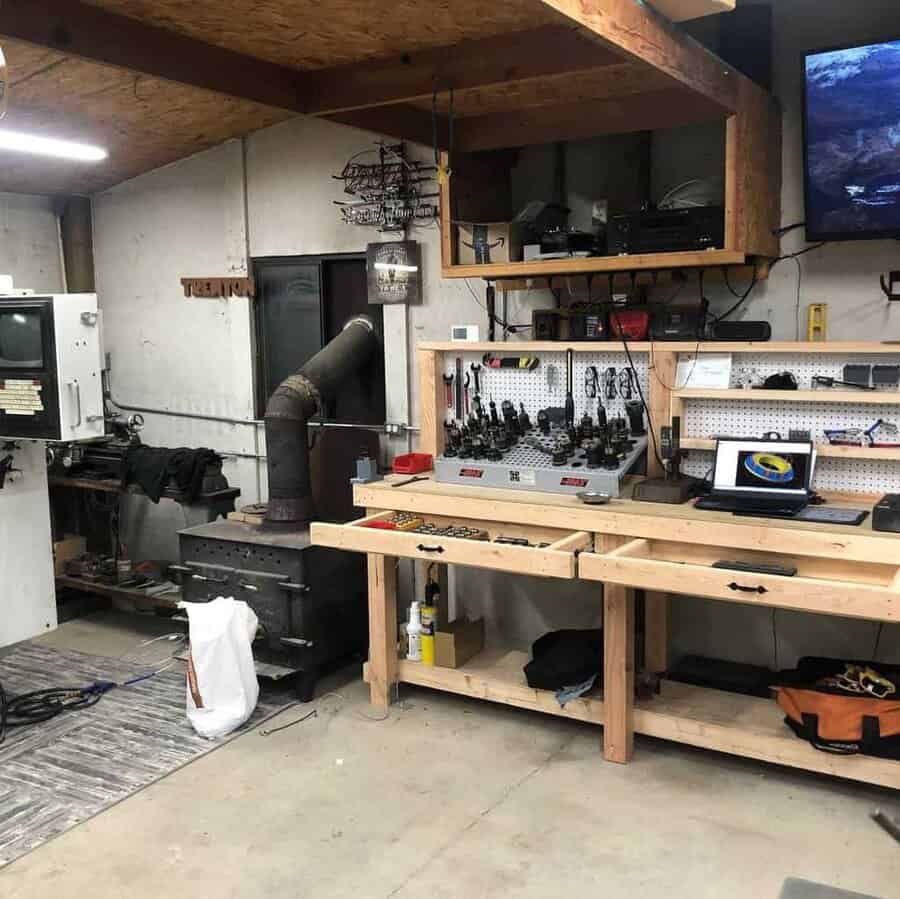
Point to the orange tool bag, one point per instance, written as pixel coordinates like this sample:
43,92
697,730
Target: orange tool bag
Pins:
844,707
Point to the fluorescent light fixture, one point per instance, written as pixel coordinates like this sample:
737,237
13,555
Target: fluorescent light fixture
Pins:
395,267
20,142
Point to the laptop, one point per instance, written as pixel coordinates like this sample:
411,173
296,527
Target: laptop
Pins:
765,477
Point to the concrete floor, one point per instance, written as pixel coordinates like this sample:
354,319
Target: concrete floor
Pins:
453,798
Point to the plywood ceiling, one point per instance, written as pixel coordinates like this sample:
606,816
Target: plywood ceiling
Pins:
143,122
311,34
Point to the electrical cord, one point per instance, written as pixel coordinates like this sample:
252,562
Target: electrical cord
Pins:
640,392
743,298
42,705
510,328
38,706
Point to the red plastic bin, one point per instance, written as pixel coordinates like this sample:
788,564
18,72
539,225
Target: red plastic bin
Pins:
413,463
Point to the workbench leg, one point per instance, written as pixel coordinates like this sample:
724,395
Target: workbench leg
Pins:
656,631
618,673
382,668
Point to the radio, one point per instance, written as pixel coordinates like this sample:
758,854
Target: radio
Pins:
569,324
667,230
678,322
741,331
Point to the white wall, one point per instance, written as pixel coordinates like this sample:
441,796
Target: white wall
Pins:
195,217
168,351
29,242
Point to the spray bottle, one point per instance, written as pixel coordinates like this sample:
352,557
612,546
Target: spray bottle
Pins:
414,633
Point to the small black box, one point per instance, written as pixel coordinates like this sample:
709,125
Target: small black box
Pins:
886,514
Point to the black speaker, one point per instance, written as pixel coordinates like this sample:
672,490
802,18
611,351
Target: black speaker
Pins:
741,331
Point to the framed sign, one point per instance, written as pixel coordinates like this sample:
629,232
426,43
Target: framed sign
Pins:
394,272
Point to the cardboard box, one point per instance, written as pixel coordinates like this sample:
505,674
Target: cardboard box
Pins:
70,547
482,243
457,642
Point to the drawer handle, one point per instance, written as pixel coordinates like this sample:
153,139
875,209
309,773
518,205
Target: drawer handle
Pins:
429,549
251,587
210,580
735,586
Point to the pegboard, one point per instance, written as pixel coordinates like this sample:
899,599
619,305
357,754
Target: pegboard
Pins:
804,368
706,418
751,418
532,388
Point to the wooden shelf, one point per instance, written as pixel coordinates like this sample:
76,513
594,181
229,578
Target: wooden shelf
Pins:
862,397
825,450
113,591
594,264
496,675
711,719
747,726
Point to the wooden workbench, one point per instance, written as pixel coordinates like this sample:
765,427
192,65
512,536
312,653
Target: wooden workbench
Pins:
848,571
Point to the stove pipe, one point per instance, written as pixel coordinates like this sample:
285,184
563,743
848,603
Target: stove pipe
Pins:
297,399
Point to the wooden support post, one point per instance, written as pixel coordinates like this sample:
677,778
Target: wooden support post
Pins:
382,668
663,365
618,673
618,662
662,380
431,401
448,230
656,631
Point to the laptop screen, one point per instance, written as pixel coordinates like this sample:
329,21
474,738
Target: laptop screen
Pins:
751,467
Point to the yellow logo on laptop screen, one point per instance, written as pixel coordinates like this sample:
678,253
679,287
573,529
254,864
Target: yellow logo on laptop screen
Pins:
770,468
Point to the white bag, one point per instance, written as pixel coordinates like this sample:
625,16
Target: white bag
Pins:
222,689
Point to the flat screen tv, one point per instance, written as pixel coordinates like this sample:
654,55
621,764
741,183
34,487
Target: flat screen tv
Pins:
852,142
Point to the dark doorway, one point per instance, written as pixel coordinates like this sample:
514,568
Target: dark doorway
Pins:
301,303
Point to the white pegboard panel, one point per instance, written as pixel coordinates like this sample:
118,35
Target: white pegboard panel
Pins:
749,418
532,387
804,368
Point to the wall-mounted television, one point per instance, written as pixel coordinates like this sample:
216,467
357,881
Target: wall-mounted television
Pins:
852,142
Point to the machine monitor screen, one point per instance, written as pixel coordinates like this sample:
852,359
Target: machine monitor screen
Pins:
21,345
852,142
754,466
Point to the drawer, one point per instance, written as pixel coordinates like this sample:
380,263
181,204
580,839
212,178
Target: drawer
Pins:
557,559
829,586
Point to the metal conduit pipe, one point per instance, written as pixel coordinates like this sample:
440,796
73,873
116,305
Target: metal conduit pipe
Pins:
297,399
387,428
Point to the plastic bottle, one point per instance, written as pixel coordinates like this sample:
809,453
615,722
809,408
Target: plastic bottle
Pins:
428,614
414,633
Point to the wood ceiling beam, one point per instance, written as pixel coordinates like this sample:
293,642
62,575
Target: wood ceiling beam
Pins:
78,29
634,29
518,56
400,121
667,108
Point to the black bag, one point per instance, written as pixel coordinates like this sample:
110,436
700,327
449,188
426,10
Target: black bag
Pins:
565,658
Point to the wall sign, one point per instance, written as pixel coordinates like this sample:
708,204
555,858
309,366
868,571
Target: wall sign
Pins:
218,287
394,272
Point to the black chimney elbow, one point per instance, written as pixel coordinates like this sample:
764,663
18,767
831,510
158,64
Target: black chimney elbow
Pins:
297,399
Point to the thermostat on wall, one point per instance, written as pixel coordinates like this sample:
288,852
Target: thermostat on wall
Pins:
464,333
